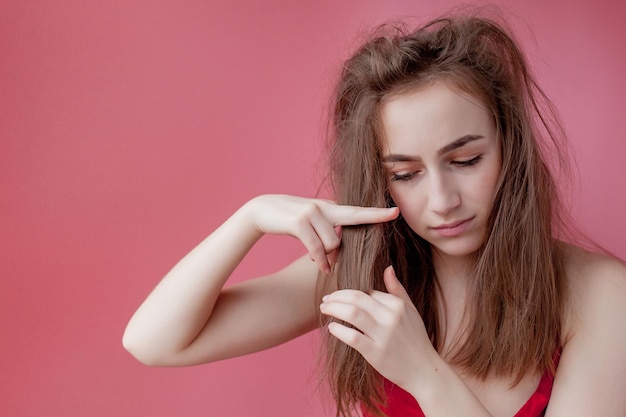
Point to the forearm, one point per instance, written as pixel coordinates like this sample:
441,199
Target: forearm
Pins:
440,392
180,322
179,307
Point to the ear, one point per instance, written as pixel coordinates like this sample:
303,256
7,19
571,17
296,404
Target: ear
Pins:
393,285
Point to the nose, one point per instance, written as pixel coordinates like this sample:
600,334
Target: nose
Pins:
443,195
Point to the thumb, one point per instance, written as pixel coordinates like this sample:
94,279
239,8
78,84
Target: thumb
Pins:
393,285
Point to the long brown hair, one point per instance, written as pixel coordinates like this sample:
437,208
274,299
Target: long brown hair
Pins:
516,299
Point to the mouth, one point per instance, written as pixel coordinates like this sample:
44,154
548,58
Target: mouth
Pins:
452,225
453,228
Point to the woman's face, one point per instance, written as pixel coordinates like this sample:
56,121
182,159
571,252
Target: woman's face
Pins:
443,159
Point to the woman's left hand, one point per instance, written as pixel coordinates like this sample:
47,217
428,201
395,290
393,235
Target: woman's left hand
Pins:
391,334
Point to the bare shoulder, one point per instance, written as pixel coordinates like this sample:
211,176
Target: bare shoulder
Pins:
590,375
596,284
595,288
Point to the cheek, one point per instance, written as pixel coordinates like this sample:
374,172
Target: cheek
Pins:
408,200
398,197
486,186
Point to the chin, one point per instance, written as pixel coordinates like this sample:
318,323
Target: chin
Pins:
456,248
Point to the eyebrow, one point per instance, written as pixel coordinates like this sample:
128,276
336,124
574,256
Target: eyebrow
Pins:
462,141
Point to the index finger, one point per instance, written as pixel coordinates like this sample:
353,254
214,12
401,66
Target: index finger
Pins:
341,215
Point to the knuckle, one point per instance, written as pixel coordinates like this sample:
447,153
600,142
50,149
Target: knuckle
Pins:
316,252
352,338
301,223
393,320
352,314
310,209
333,242
397,305
354,296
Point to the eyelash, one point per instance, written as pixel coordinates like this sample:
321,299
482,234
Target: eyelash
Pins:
403,177
460,164
469,162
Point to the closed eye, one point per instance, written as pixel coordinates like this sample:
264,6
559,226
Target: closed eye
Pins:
468,162
403,177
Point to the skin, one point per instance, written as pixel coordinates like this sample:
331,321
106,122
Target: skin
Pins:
189,318
443,157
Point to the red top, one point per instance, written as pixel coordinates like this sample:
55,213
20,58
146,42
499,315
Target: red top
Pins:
402,404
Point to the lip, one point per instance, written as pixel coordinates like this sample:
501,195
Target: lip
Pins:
453,228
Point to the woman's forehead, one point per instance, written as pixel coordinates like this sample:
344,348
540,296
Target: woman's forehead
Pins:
434,114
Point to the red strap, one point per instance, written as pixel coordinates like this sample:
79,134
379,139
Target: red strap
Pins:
402,404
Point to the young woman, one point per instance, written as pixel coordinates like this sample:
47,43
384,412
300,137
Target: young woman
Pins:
439,272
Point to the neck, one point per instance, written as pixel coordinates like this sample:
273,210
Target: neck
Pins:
452,270
453,275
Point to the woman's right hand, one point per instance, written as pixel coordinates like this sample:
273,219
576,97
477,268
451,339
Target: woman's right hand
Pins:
315,222
190,318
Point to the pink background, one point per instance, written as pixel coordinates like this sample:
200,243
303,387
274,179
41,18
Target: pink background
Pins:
130,129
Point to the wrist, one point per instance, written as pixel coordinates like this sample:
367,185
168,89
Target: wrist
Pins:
247,217
430,379
440,391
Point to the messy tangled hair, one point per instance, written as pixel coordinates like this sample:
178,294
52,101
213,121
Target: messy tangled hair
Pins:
516,298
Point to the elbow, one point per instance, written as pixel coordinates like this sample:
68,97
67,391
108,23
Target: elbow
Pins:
155,351
142,350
